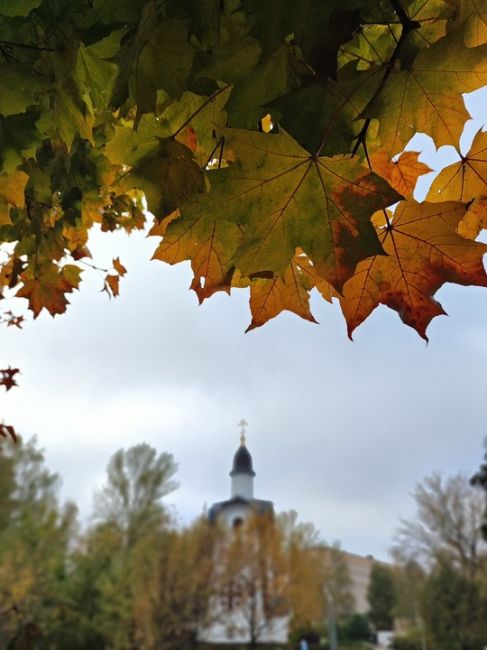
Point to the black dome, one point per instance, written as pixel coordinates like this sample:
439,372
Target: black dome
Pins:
242,462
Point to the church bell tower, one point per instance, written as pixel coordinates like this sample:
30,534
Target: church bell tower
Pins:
242,473
242,502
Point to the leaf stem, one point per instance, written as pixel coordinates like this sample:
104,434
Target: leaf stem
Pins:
203,106
408,26
28,47
93,266
210,157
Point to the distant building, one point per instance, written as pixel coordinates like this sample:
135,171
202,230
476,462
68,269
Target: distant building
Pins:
242,502
229,626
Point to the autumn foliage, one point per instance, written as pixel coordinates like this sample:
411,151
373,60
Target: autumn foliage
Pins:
266,140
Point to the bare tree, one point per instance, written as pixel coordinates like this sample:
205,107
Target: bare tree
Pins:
447,524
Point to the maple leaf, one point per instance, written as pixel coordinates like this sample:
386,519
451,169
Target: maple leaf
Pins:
8,431
165,176
112,285
11,319
424,251
402,173
208,243
269,297
378,39
164,62
474,14
12,188
307,269
20,7
46,287
162,163
475,219
324,116
119,267
73,116
24,87
128,107
427,96
272,78
95,75
283,198
466,179
7,377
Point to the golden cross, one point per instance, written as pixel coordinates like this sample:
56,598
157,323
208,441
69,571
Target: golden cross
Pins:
242,424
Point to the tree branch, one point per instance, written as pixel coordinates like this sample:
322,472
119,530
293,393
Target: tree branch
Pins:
408,26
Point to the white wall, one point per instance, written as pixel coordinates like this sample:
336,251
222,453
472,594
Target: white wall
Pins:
243,486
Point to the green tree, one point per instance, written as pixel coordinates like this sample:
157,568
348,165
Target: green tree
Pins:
7,487
409,580
382,597
92,562
355,628
125,544
34,545
137,479
338,582
479,480
454,610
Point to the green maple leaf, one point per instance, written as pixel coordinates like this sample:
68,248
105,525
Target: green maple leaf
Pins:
18,7
20,88
427,97
19,139
273,77
325,116
284,198
164,63
72,115
161,165
95,76
165,175
203,114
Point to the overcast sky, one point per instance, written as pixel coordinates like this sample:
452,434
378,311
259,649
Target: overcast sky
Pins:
339,431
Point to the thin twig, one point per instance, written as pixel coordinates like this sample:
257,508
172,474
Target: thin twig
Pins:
210,157
202,107
408,26
28,47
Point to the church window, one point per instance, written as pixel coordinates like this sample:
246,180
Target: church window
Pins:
237,522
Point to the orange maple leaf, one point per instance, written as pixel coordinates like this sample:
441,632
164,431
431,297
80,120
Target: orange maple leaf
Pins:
208,243
466,179
269,297
424,251
401,174
474,220
119,267
46,286
112,285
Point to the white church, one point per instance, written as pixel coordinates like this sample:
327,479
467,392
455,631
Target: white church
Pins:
229,626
